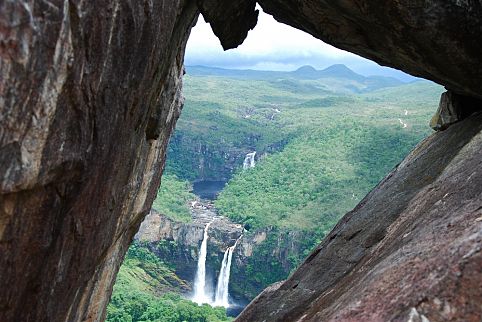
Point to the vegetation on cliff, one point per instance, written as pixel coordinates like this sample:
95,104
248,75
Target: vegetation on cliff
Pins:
272,260
173,197
317,178
321,144
146,291
335,155
227,115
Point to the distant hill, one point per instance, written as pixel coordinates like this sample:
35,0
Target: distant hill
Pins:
355,82
334,71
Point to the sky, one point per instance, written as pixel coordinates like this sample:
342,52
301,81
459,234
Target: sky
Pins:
275,46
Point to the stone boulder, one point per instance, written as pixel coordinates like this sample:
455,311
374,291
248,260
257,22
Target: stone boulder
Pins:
453,108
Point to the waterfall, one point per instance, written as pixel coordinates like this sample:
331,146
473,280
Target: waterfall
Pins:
200,295
249,160
222,289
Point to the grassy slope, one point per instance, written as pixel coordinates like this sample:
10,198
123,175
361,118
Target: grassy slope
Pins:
143,271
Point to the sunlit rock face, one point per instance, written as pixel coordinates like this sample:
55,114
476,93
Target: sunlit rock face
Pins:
89,94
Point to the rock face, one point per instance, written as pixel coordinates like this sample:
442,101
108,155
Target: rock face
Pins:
411,248
239,15
89,94
452,109
260,257
212,162
222,232
207,162
90,91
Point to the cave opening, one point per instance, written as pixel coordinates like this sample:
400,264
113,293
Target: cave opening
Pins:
90,93
277,140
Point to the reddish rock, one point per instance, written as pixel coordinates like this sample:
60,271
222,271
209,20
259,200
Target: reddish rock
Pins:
452,109
89,94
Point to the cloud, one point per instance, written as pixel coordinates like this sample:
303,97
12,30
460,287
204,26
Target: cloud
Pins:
275,46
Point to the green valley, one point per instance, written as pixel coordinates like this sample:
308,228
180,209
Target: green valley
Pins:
323,140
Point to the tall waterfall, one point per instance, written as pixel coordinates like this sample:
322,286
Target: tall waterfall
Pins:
200,295
249,160
222,289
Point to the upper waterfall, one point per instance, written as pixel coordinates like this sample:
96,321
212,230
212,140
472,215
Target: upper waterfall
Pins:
249,160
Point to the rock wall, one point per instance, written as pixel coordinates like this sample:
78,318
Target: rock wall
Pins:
260,258
89,97
90,91
178,243
204,161
194,159
266,256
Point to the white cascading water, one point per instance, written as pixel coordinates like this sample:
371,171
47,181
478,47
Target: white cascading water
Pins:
222,289
200,295
249,160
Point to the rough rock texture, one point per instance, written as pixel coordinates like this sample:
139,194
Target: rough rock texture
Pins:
230,20
412,247
88,98
452,109
435,39
89,93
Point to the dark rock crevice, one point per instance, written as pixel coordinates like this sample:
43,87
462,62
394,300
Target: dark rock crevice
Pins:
453,108
230,21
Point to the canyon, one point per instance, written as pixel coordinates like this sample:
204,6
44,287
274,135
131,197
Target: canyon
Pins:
180,245
90,94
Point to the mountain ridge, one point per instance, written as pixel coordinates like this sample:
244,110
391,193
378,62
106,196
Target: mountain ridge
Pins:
302,70
303,73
